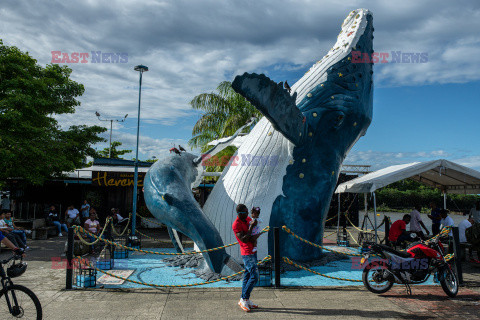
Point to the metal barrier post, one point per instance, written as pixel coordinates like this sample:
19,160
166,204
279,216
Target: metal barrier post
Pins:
276,255
387,230
456,251
69,277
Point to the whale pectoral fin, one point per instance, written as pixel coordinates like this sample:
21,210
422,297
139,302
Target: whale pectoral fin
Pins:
274,102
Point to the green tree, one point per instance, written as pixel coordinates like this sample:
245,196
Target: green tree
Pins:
223,113
32,144
115,154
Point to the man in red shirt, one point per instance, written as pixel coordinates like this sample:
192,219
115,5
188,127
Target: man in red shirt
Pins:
398,230
243,232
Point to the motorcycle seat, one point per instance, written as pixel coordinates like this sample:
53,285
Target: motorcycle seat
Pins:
403,254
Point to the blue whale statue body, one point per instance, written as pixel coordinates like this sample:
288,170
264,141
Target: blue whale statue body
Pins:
289,163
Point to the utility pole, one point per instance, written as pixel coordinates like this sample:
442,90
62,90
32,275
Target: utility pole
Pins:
111,129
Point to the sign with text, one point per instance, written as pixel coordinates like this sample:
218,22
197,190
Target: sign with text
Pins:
116,179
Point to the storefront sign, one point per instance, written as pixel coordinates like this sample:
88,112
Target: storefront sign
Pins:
116,179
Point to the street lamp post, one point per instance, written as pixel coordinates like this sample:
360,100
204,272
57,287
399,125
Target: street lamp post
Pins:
141,69
111,129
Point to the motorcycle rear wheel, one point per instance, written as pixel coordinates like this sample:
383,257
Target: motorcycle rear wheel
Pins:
371,276
449,282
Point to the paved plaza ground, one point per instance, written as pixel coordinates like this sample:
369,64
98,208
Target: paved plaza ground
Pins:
427,302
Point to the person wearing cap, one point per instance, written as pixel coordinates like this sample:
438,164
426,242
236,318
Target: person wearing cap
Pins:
243,232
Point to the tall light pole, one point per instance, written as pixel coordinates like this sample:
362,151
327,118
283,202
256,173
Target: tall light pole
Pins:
111,128
141,69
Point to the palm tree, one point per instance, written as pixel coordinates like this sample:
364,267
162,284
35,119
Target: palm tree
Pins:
223,113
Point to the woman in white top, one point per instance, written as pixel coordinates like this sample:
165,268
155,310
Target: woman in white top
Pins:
72,216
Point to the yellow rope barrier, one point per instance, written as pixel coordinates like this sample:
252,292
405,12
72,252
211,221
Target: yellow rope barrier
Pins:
150,220
328,235
331,218
99,237
362,230
315,272
352,237
267,258
317,245
155,252
114,230
152,238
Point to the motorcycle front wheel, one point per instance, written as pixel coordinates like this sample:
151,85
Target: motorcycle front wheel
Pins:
449,282
374,278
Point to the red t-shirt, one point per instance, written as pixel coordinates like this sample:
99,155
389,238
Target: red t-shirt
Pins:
246,248
396,230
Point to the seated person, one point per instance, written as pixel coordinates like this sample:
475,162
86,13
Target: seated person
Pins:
53,219
118,220
72,216
398,230
93,226
10,244
7,232
11,224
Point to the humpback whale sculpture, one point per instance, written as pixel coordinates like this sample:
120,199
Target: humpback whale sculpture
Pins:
288,164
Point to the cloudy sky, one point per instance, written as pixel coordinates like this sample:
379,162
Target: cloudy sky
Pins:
422,111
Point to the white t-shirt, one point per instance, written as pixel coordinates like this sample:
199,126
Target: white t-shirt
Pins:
72,214
92,225
256,229
462,226
447,222
415,221
3,224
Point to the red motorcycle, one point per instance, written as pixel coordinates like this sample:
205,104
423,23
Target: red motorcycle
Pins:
413,266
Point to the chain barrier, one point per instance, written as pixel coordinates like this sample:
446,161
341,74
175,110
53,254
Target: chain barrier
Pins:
267,258
287,260
79,230
152,238
150,220
287,230
114,230
353,238
366,231
331,218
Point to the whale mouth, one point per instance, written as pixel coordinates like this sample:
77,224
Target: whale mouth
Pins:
353,27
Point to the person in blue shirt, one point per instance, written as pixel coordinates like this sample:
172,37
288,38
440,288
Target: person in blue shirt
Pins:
435,216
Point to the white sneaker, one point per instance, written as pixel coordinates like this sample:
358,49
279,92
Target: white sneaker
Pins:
252,305
244,305
60,234
254,249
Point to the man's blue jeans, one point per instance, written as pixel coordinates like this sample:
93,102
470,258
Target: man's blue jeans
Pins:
250,278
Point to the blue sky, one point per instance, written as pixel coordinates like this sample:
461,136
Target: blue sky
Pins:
422,111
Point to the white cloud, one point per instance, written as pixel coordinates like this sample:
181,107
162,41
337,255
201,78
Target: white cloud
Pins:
191,46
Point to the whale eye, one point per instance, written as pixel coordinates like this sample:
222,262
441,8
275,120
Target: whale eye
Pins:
338,119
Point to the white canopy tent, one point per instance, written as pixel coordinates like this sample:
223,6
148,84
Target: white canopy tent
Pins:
445,175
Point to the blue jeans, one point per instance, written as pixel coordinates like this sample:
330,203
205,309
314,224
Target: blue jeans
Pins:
22,235
250,278
60,226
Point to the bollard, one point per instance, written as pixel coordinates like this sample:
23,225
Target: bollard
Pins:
387,231
456,251
276,255
69,277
